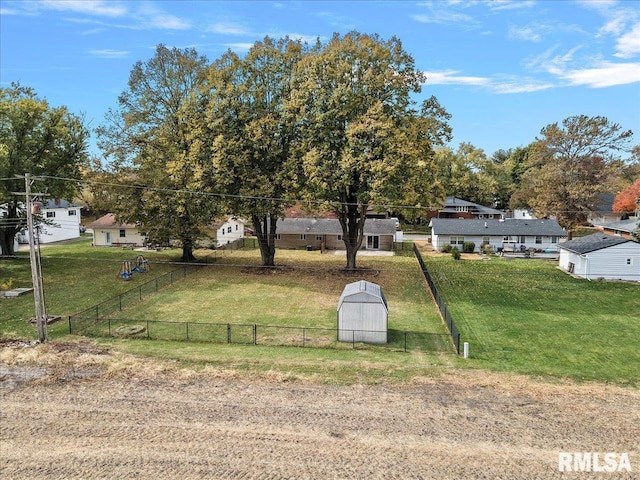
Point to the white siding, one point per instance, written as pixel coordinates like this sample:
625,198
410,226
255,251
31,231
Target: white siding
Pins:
618,262
497,241
65,225
224,236
132,236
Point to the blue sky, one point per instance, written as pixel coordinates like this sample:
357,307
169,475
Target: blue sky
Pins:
504,69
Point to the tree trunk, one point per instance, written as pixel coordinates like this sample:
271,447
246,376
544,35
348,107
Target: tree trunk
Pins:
6,242
265,230
352,217
187,251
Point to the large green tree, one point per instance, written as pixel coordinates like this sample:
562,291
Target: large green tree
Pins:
360,138
48,143
154,130
571,165
251,138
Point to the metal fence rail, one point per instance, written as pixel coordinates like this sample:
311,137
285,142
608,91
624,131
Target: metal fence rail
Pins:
442,306
84,319
255,334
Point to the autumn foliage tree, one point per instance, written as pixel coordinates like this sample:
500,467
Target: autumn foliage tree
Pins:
628,200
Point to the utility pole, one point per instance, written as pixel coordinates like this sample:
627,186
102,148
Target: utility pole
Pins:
36,269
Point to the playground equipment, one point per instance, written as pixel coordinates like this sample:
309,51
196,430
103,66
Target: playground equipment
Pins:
141,265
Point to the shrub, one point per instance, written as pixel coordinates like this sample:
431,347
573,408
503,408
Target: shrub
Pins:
468,247
487,249
446,248
455,253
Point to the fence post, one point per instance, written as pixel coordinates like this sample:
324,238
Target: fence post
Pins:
148,335
255,334
156,284
171,277
109,322
120,301
303,339
187,324
97,316
140,292
228,333
69,324
405,341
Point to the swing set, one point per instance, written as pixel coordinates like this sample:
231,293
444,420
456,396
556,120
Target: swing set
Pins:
141,265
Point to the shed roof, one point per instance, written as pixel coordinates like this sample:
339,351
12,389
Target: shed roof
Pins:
510,226
362,292
622,225
331,226
593,242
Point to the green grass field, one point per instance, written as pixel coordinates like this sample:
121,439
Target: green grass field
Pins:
527,316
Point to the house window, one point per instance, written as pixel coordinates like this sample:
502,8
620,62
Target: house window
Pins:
72,213
538,239
486,240
507,238
123,233
236,227
521,239
51,214
229,229
554,239
339,237
572,267
319,238
456,240
629,261
278,237
461,208
303,236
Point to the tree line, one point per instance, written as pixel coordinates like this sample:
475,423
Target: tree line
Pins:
334,125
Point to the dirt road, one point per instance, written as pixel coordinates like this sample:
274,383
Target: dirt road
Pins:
88,418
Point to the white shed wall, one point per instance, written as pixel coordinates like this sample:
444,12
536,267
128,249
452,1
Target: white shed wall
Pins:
362,322
618,262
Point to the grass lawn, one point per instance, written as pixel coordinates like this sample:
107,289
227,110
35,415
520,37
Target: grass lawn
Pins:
527,316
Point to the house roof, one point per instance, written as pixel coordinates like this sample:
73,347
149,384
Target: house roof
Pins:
510,226
623,225
298,211
221,221
331,226
452,202
593,242
362,292
109,221
50,204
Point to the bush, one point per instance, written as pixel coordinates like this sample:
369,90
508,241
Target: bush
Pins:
468,247
446,248
487,249
455,253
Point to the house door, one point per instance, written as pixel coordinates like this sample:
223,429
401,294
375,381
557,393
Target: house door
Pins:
107,238
373,242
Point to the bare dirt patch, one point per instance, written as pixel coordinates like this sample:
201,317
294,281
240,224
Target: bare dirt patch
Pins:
139,419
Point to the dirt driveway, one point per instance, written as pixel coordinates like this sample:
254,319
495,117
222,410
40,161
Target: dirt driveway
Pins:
89,416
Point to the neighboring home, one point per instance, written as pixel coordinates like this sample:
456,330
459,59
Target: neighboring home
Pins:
601,256
454,207
621,228
604,210
108,232
522,214
228,230
509,234
326,233
63,222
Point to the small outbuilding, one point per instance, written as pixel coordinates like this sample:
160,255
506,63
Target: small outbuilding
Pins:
362,313
601,256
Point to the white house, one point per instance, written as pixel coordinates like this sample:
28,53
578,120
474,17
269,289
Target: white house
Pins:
601,256
62,222
228,230
108,232
510,233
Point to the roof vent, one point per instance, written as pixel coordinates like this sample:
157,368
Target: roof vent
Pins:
485,225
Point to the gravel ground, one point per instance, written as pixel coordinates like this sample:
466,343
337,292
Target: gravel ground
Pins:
86,416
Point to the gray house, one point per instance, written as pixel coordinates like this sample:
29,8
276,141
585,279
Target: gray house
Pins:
326,233
362,313
508,234
603,256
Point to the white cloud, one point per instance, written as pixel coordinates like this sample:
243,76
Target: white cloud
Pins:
227,28
451,77
442,16
606,74
100,8
531,33
496,84
239,46
107,53
150,17
628,45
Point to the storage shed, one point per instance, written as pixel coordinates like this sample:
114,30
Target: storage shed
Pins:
362,313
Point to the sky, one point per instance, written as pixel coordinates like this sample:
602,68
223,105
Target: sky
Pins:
504,69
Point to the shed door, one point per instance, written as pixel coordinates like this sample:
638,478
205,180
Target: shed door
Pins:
107,238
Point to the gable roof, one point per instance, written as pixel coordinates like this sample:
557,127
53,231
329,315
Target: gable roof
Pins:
452,202
623,225
486,228
593,242
109,221
362,292
331,226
